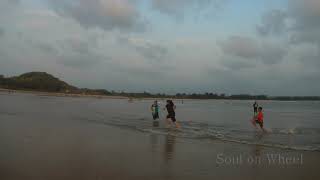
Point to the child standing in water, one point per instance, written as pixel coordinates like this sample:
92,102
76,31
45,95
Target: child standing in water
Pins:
171,113
258,119
155,110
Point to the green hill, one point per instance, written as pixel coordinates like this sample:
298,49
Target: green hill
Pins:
37,81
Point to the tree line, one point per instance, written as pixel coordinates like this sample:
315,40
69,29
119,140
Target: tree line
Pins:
42,81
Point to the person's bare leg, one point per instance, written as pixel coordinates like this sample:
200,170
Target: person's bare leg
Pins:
261,126
168,123
253,122
177,125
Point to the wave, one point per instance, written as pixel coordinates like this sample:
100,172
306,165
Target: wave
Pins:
202,131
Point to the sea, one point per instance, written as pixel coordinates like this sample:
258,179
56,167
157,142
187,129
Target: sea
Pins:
293,125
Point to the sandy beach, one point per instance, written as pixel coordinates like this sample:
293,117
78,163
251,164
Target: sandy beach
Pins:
89,151
56,143
39,93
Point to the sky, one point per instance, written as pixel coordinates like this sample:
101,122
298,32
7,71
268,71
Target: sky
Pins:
166,46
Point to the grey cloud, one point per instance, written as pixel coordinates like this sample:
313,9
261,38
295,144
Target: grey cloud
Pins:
76,45
237,63
306,10
149,50
71,52
249,48
6,3
177,8
273,22
170,6
71,45
232,82
105,14
2,32
46,48
77,53
241,46
272,53
79,61
303,16
8,6
304,27
308,54
306,14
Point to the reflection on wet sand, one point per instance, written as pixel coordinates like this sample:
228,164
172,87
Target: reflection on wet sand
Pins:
259,136
154,141
169,147
155,124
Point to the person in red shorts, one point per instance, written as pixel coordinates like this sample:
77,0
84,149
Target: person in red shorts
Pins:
258,119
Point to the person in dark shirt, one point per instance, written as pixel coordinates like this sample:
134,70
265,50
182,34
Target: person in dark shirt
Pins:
171,113
255,108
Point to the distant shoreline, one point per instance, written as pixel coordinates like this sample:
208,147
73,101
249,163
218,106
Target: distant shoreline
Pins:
61,94
42,93
46,84
56,94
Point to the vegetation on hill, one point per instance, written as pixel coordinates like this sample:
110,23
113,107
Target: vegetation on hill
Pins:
41,81
38,81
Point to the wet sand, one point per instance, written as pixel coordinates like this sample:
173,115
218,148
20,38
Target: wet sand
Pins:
42,149
47,138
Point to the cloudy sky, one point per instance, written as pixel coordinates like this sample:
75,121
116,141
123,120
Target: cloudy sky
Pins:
225,46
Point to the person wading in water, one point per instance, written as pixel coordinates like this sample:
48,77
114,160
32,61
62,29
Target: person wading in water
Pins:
171,113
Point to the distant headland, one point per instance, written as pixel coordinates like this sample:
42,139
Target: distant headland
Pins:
44,82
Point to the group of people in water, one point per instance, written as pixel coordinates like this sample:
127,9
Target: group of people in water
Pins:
258,116
170,107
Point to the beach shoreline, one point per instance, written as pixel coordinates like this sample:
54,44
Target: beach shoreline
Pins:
73,95
41,93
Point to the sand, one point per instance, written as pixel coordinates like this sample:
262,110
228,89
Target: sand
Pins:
41,149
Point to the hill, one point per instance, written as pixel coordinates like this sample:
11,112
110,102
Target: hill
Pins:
37,81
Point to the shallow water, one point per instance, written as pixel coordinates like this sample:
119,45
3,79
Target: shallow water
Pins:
292,125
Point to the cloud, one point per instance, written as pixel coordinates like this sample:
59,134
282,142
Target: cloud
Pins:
302,30
46,48
76,45
149,50
272,53
273,23
8,3
2,31
252,49
7,6
77,53
233,63
105,14
300,22
177,8
305,9
241,46
306,14
79,60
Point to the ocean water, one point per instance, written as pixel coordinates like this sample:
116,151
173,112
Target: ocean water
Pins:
292,125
